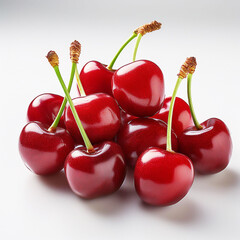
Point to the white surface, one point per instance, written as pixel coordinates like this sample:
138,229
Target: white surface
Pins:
33,207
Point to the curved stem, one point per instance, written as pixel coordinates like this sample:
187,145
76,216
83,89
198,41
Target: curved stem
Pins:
86,140
80,87
189,91
169,125
110,66
60,112
136,46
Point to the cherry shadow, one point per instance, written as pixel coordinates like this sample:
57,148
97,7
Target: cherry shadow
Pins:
227,179
57,182
184,212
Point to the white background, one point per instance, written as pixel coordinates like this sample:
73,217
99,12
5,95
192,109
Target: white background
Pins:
33,207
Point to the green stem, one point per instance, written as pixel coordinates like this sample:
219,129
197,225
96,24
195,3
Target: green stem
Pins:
169,126
60,112
80,87
136,46
189,91
110,66
86,140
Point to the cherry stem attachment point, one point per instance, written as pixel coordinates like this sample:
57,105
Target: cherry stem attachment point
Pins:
136,46
86,140
189,92
169,125
55,123
80,87
110,66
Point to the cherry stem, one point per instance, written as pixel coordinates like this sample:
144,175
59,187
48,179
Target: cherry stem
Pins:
64,102
189,91
169,125
110,66
136,46
80,87
86,140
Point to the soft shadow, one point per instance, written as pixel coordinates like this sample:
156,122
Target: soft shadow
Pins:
184,212
114,203
57,182
223,180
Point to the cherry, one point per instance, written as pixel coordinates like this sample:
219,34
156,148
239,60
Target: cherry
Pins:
96,78
182,118
42,151
209,148
163,177
99,114
94,171
138,88
141,133
209,144
44,108
91,175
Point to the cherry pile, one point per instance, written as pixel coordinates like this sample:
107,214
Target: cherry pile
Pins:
123,120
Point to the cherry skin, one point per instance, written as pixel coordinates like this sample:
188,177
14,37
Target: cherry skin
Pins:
44,152
182,117
100,117
141,133
138,88
44,108
92,175
162,177
210,148
96,78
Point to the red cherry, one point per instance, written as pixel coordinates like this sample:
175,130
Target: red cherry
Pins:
44,108
138,88
99,114
44,152
92,175
96,78
162,177
209,148
141,133
181,119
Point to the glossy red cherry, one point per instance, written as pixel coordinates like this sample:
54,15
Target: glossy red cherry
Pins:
181,119
141,133
100,117
162,177
96,78
209,148
44,108
138,88
44,152
92,175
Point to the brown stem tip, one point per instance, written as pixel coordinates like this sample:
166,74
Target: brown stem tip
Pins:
192,64
75,50
147,28
53,58
188,67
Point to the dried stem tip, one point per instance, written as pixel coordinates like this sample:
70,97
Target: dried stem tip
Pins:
53,58
188,67
75,50
146,28
192,64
